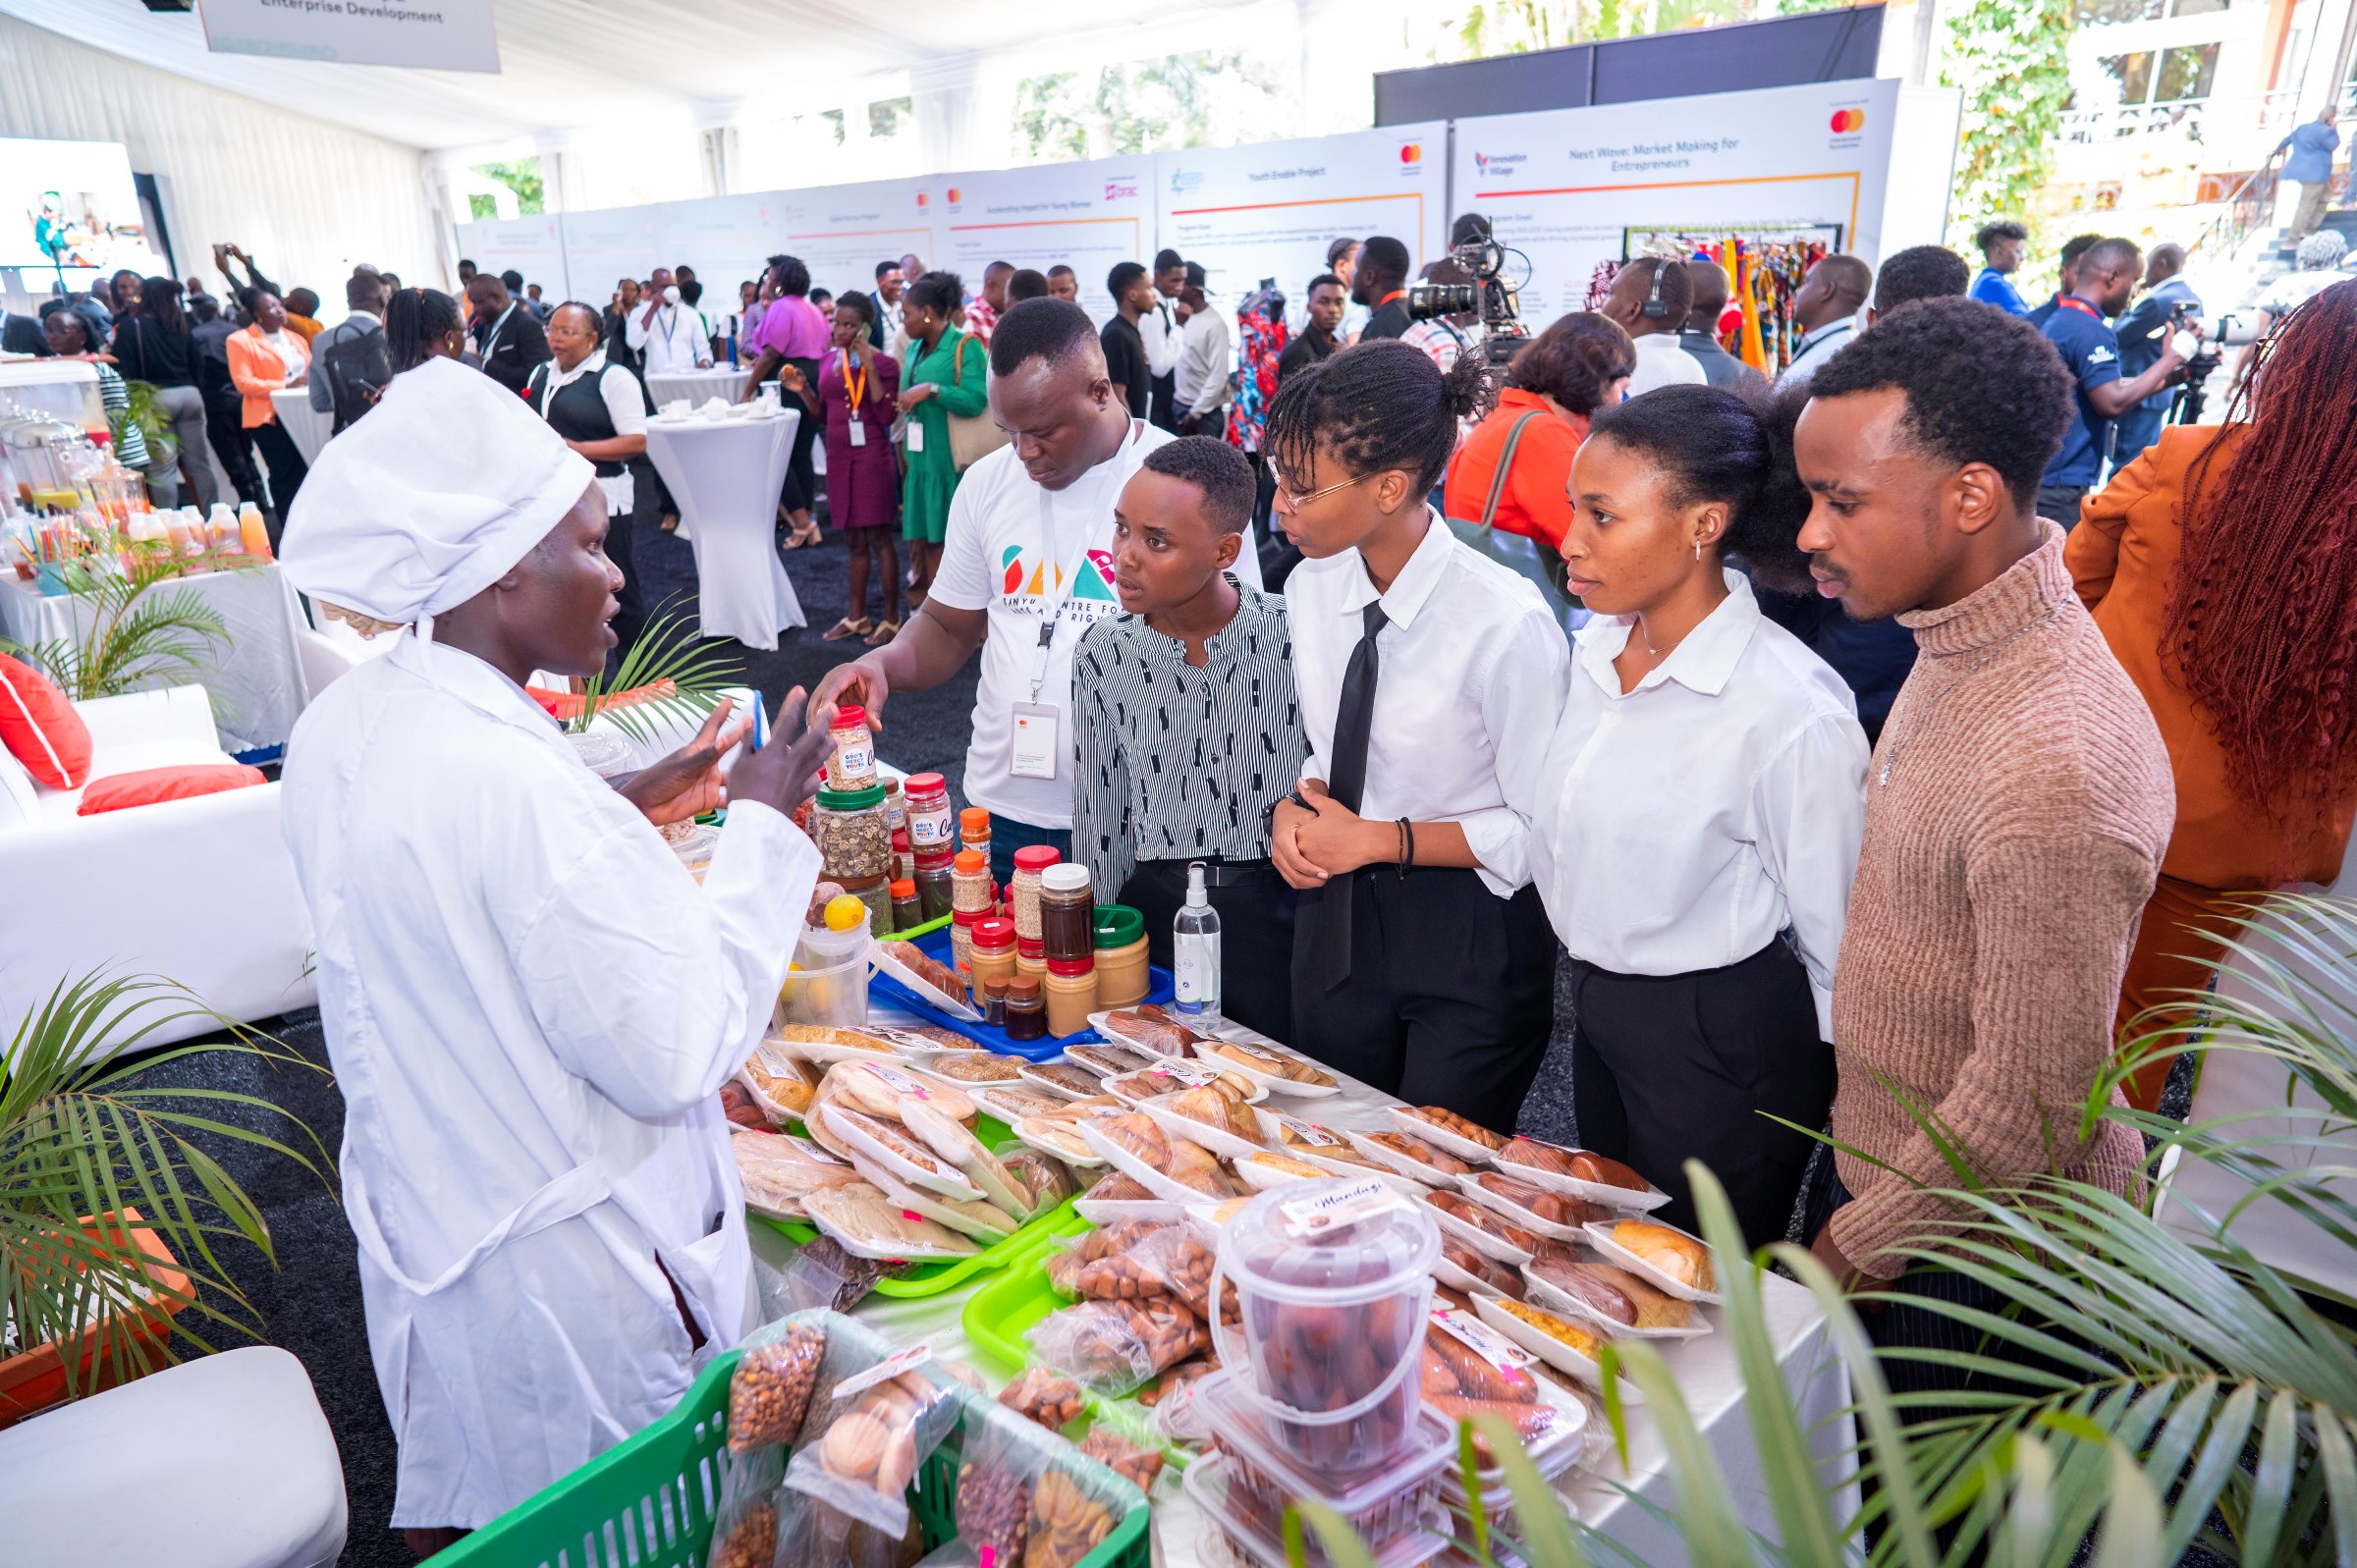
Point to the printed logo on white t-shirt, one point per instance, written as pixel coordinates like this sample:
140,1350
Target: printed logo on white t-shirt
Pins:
1029,583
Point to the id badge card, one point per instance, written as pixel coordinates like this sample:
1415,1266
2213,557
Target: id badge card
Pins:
858,432
1033,755
916,436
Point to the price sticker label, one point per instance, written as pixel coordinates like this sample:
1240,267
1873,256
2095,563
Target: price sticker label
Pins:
1332,1210
884,1371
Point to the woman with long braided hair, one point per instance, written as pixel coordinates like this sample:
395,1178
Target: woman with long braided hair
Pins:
2222,566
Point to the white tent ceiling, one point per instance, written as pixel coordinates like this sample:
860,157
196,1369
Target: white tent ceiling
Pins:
570,63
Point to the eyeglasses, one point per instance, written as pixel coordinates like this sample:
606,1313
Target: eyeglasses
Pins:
1292,500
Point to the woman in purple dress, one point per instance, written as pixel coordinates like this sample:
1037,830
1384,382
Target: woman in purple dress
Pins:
855,391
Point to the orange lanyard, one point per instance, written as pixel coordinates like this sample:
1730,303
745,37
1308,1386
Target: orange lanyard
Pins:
856,390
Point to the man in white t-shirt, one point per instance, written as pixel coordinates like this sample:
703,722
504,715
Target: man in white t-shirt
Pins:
1650,299
1028,560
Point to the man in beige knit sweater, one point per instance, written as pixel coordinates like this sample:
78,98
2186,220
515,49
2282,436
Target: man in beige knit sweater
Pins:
2018,801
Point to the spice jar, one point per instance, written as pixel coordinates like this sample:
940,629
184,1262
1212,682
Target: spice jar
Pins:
1119,933
895,809
961,943
851,751
929,822
973,829
904,859
970,882
1027,1008
1023,892
933,882
876,894
1029,959
1071,994
994,950
994,1003
907,911
1067,913
854,842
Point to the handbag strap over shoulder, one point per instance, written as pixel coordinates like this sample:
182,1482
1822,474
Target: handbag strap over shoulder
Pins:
1506,464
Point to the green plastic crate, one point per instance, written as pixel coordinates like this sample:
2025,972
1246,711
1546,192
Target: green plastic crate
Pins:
648,1502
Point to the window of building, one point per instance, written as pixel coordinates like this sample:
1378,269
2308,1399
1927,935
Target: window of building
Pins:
2133,73
2185,72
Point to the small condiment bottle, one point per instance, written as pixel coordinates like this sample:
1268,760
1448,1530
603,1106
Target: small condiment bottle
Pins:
994,1001
934,882
971,890
904,859
930,823
850,749
896,810
1026,1009
907,910
973,829
1067,912
993,949
1023,891
1071,994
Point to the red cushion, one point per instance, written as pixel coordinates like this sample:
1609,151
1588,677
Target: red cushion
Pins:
118,791
40,728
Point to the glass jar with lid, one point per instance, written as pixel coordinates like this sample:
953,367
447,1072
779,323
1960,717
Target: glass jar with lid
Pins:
854,842
1120,933
931,828
1066,914
934,884
851,753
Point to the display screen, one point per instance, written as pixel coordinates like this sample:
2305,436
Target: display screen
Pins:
72,205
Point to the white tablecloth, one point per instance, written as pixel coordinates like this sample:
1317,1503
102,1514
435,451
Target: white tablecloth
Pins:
697,385
256,681
308,425
1705,1368
725,474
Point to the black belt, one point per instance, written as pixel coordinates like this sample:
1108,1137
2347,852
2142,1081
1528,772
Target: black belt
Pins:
1217,873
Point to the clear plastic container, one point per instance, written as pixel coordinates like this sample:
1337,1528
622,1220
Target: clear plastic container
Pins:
833,995
934,884
1395,1508
603,752
851,751
1333,1278
695,849
1023,889
854,841
931,828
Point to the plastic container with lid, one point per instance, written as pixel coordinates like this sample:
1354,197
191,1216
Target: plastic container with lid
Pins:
603,752
994,950
694,850
973,829
961,942
930,823
1318,1266
1067,913
1071,993
970,882
1029,960
1027,1008
933,884
851,750
1123,977
1023,889
907,909
855,843
876,894
904,859
992,1000
895,809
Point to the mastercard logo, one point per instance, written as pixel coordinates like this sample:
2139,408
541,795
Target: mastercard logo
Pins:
1848,120
922,200
952,195
1413,152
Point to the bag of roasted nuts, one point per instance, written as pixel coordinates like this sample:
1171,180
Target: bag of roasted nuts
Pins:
880,1422
744,1529
769,1393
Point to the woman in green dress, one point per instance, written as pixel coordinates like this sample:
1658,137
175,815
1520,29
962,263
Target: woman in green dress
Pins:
945,375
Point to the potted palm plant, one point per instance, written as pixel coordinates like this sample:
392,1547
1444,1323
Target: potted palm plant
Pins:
670,677
132,633
110,1209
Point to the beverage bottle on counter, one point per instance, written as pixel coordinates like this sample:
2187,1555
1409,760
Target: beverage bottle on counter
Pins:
1195,954
257,537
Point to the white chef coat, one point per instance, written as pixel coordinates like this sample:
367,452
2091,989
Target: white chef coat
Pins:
1682,825
531,1006
673,342
1471,675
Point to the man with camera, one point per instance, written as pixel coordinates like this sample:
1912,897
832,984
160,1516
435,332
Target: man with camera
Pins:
2081,331
2168,302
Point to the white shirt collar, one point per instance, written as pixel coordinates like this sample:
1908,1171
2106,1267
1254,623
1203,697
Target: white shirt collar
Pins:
1811,340
591,364
1413,588
1703,660
473,681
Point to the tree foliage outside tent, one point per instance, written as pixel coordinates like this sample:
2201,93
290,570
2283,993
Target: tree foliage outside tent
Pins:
2011,60
1155,105
1491,27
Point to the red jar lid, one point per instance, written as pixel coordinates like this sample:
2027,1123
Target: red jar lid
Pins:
1071,966
850,715
994,931
1031,946
900,837
926,783
964,917
1036,857
971,862
933,860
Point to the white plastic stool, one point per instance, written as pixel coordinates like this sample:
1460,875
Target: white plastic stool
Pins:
221,1462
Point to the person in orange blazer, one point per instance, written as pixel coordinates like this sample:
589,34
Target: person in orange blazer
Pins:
2222,566
1580,363
266,358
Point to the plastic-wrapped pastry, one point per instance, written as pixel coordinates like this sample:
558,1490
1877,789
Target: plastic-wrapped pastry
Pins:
1577,1163
1212,1107
879,1089
1679,1256
777,1171
1272,1063
1422,1153
823,1035
1151,1029
1136,1134
977,1067
1108,1061
1450,1121
869,1224
1612,1293
1552,1206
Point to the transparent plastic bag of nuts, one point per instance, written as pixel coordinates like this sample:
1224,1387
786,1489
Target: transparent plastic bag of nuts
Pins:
813,1534
744,1529
869,1431
1027,1500
769,1393
1112,1346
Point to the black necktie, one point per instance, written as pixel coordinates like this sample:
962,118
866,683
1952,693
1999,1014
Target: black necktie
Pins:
1347,782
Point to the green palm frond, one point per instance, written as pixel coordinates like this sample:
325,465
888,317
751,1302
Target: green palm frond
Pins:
133,634
79,1138
669,653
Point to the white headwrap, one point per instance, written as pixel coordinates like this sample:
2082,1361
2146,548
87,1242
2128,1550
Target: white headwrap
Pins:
449,481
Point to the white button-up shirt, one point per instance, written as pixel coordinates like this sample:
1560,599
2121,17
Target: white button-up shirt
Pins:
1685,823
531,1006
1202,387
625,406
1661,362
1816,350
1471,675
673,342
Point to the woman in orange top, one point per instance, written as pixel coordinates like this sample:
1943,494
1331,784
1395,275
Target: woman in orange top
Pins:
266,358
1580,363
2222,566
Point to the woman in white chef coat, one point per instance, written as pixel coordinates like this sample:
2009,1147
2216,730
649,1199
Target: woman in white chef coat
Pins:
529,1002
1702,799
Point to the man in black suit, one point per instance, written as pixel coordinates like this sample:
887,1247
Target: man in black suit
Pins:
508,339
21,334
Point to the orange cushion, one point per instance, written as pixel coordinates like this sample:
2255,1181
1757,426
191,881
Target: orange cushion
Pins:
118,791
40,728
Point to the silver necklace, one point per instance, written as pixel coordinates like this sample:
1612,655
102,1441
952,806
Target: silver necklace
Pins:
1898,741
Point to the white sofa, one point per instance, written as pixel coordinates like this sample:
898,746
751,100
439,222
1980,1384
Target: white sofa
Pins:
200,891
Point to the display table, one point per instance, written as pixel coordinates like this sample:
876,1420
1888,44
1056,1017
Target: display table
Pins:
1706,1370
697,386
254,678
724,473
308,425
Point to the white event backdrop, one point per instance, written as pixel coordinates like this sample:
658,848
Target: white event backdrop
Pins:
1563,187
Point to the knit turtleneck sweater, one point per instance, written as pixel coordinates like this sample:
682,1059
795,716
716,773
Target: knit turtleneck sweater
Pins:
2016,813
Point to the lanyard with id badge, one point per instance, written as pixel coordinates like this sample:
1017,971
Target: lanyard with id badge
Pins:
1033,755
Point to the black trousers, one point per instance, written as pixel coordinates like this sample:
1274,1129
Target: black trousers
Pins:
1674,1067
287,468
225,432
1450,997
802,478
1161,407
1256,934
621,541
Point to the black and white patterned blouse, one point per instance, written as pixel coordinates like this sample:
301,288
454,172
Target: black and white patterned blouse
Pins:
1177,763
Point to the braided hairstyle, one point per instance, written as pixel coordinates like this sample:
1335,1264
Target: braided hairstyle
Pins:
2263,617
1377,405
1717,444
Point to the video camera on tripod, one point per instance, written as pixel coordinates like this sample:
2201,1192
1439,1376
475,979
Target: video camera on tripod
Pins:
1489,296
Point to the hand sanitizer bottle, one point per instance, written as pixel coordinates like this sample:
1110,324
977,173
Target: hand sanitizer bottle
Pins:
1195,954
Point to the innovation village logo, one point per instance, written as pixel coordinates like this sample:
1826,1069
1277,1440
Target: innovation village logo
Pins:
1499,165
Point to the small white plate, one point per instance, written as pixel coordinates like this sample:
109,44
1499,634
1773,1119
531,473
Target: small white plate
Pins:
1563,1304
1553,1229
1137,1170
1406,1119
1274,1083
1401,1164
1548,1349
1219,1140
1605,1193
1600,1237
1480,1240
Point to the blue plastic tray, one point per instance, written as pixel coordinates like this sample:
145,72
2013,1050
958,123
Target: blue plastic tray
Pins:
935,945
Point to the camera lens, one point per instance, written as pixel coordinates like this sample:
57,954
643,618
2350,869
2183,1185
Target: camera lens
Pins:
1428,299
